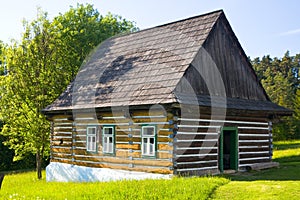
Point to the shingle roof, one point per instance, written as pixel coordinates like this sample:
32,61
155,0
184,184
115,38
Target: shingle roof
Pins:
141,68
138,68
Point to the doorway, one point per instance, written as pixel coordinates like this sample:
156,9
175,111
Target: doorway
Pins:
228,149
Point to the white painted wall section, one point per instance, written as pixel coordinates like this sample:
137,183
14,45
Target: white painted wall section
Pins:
62,172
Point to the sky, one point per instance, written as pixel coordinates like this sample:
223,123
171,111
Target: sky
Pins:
263,27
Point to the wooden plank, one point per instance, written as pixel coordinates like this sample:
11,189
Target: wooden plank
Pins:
80,152
263,138
164,155
196,158
200,165
196,144
164,147
195,137
265,165
128,146
58,143
127,139
147,113
66,134
60,155
254,160
126,154
163,132
125,167
196,151
253,148
62,139
225,121
113,121
251,155
57,129
164,139
61,150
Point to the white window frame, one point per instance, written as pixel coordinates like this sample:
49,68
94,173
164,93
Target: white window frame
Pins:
106,142
147,151
91,139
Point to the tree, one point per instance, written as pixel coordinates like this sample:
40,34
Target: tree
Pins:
297,114
280,78
39,69
80,30
27,89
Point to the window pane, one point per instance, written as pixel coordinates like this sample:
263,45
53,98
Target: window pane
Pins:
91,131
151,140
145,148
151,149
148,130
110,148
108,131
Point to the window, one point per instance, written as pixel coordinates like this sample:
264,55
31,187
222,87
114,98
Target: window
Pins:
108,139
91,142
148,141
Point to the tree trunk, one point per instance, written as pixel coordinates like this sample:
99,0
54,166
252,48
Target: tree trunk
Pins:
38,164
1,179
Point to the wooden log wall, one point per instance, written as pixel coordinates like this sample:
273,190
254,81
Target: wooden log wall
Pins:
68,141
195,147
196,144
255,142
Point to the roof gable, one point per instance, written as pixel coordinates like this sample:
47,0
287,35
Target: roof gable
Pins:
221,68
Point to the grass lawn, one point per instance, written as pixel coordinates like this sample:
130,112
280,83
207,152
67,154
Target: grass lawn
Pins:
26,186
277,183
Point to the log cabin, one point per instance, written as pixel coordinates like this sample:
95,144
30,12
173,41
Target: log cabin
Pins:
177,99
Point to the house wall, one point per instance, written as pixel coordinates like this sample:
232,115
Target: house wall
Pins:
68,140
196,145
193,150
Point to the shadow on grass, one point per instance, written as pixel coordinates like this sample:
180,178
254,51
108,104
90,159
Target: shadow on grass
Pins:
287,171
287,145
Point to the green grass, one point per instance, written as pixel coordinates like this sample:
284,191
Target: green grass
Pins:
276,183
259,190
26,186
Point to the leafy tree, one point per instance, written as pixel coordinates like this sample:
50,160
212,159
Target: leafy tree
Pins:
41,66
80,30
27,89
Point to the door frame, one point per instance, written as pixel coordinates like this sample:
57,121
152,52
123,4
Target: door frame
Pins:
233,148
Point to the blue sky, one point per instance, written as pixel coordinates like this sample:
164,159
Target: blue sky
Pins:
262,26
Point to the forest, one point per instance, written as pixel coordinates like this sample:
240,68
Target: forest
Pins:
36,70
280,78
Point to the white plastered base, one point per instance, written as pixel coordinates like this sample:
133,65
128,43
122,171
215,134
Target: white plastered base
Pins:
62,172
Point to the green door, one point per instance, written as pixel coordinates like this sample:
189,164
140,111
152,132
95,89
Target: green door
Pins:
228,149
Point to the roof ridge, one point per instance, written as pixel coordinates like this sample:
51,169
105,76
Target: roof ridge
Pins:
168,23
189,18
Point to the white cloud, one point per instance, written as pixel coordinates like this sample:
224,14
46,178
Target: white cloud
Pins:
291,32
